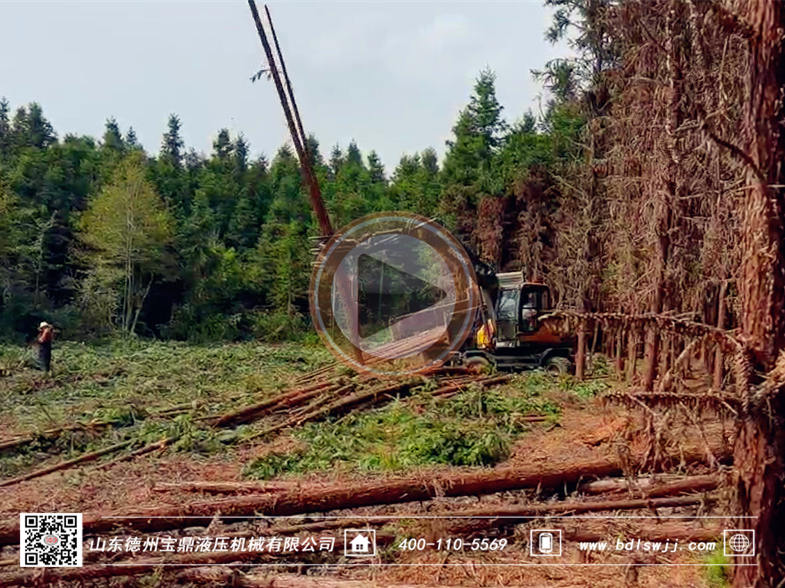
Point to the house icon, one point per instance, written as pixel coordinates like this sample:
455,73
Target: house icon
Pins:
359,542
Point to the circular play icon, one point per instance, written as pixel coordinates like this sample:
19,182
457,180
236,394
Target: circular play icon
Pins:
394,294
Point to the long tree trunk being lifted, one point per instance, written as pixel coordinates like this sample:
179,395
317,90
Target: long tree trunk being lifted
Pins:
295,127
760,444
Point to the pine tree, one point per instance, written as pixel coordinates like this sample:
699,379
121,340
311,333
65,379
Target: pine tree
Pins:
336,161
240,154
376,169
131,140
198,230
31,129
222,146
485,111
429,185
353,155
172,143
113,140
39,128
243,230
313,151
5,129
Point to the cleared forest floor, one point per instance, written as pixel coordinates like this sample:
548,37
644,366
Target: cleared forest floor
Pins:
139,394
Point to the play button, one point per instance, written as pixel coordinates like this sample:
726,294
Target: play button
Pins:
393,293
385,291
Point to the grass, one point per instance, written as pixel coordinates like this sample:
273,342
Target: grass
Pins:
126,382
718,571
474,428
91,380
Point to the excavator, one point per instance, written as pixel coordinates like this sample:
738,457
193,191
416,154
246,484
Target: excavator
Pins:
511,311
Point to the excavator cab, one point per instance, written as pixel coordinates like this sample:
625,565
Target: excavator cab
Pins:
520,340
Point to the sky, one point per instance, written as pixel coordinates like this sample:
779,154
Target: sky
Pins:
390,75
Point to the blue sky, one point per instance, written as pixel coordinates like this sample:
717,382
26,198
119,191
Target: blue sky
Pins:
390,75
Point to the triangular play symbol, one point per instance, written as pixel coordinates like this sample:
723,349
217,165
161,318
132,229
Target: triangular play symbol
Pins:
385,294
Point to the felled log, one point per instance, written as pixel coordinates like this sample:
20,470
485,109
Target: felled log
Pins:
651,488
319,499
225,487
338,406
149,448
514,515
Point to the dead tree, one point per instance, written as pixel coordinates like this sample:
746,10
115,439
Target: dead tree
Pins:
760,444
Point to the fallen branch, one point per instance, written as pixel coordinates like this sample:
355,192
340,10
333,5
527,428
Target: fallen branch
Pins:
49,433
20,441
249,413
315,373
141,451
514,515
65,464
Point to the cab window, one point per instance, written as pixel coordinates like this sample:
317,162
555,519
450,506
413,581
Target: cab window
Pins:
508,306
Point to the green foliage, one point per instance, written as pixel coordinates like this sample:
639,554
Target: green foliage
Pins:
275,327
476,428
719,571
224,242
126,229
585,389
129,381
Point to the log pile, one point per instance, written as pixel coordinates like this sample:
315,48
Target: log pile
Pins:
686,492
318,498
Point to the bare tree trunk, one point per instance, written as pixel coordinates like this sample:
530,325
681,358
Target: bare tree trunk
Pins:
760,444
667,193
580,354
718,362
619,354
632,355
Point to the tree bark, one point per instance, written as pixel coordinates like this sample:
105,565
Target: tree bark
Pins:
718,362
580,353
760,443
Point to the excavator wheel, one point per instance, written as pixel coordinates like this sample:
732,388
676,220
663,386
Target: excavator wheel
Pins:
477,364
557,365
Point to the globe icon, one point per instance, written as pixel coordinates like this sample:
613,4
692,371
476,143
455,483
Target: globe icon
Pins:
739,543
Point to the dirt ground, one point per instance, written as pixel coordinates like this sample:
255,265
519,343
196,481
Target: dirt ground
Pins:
584,431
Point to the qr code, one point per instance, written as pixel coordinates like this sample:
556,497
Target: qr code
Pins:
50,540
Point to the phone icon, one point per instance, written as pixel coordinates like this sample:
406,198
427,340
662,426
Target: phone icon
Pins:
545,542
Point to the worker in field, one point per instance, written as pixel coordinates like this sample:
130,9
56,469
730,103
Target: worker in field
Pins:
43,346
